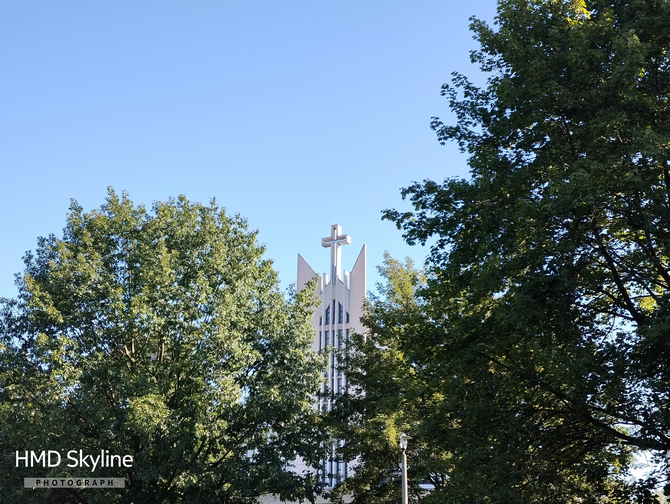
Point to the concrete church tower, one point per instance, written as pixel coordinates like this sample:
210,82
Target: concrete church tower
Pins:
342,295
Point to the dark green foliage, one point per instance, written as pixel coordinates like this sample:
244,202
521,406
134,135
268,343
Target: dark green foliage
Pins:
161,335
544,345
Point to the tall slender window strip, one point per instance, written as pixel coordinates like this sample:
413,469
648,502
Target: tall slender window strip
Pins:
328,315
340,313
327,338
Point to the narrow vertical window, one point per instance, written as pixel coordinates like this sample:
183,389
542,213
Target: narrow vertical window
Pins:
321,319
328,315
340,314
327,338
347,317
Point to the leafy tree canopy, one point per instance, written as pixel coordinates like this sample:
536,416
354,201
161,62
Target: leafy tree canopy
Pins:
546,319
380,402
161,335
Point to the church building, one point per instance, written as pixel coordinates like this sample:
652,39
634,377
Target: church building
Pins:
342,294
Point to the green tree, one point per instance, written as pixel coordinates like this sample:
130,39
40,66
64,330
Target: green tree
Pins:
383,394
162,335
548,301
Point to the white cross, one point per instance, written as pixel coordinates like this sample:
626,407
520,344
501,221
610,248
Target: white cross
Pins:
335,241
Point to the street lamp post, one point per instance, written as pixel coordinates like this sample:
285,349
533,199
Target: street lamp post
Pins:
403,447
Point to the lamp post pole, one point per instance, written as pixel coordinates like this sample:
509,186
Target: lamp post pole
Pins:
403,447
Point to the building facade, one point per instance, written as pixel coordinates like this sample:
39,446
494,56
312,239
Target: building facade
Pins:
342,295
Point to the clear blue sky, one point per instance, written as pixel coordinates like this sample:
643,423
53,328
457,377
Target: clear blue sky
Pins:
295,114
